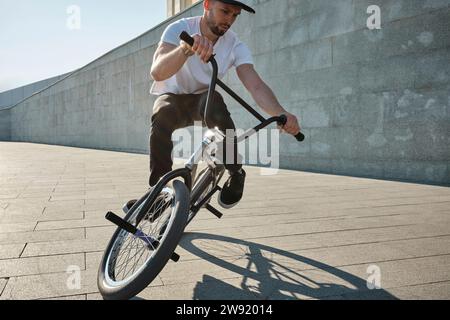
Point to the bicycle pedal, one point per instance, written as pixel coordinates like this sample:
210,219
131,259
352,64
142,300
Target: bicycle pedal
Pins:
214,211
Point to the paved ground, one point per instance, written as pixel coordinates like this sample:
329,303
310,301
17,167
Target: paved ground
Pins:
295,235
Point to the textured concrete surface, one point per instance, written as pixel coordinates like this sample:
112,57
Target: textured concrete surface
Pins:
10,98
5,125
373,103
295,235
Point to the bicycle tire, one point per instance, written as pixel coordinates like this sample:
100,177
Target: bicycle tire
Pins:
159,257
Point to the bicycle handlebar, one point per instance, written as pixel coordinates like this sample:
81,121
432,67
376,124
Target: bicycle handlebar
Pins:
187,38
281,120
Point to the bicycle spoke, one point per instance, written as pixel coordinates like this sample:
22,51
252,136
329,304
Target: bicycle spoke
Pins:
133,267
132,246
131,261
130,253
118,251
121,249
155,228
126,260
139,259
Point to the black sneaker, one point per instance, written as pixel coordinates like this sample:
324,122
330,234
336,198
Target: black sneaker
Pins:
232,191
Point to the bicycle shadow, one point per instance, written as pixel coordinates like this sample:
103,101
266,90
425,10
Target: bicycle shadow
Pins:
271,273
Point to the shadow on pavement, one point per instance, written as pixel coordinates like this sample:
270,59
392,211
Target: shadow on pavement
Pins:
271,273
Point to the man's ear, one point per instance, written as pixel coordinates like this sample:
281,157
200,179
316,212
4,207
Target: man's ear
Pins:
207,4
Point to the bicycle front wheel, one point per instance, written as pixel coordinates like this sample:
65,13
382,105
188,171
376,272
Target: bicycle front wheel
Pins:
129,264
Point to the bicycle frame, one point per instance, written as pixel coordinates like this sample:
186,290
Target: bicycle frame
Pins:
210,136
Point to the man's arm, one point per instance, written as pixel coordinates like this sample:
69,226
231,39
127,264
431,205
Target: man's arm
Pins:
169,59
265,97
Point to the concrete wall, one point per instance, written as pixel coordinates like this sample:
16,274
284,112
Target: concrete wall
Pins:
372,103
12,97
175,6
5,125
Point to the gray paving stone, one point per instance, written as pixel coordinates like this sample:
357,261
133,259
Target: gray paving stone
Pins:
55,216
307,227
2,285
429,291
41,236
367,253
227,289
408,272
261,219
40,265
95,233
220,246
48,286
64,247
352,281
3,205
277,261
9,251
93,260
94,296
17,227
66,224
75,297
295,235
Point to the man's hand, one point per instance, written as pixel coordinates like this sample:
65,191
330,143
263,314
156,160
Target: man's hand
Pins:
203,47
292,126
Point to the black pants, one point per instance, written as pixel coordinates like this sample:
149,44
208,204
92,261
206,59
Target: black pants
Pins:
172,112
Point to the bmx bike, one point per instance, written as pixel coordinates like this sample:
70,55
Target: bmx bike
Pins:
146,238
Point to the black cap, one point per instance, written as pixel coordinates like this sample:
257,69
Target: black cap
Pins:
240,4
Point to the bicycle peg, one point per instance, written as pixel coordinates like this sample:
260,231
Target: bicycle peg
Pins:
151,242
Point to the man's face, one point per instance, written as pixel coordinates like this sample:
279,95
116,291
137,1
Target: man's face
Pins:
221,16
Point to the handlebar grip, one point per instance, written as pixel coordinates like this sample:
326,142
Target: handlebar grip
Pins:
187,38
283,119
300,137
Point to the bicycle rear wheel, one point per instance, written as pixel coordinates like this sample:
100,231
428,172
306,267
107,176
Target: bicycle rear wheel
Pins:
129,265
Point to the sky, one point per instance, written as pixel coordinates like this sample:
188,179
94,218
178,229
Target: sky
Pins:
40,39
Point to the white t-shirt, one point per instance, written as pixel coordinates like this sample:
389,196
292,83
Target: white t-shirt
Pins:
194,77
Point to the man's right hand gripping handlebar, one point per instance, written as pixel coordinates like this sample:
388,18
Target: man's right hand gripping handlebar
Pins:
200,45
282,119
282,122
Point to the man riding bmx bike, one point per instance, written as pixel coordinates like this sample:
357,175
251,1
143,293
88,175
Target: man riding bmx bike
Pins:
182,77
